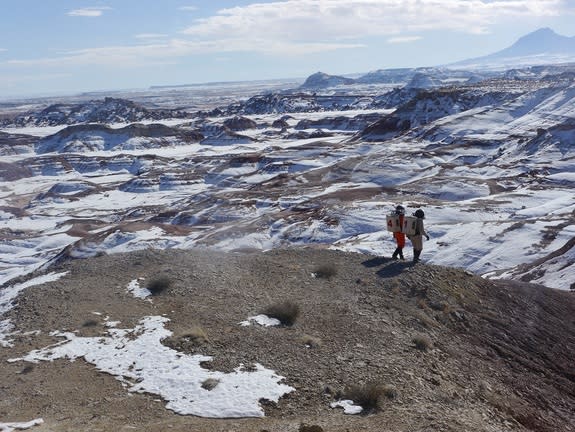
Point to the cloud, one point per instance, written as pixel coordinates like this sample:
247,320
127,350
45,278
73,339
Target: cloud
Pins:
88,12
403,39
151,36
302,27
188,8
305,20
136,55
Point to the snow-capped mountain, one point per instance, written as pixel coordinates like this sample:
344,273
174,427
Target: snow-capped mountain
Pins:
540,47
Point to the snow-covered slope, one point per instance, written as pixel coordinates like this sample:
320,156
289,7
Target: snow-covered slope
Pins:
108,110
491,163
95,137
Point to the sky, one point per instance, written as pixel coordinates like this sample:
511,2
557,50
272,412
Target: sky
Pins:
71,46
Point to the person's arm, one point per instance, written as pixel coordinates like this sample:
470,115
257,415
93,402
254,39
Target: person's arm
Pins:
423,232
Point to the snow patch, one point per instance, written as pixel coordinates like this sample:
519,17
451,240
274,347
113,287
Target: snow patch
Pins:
137,358
262,320
9,427
348,407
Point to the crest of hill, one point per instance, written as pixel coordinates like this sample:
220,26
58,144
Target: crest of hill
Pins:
452,350
323,80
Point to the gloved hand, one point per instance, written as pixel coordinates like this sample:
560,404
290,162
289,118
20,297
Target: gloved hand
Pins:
427,236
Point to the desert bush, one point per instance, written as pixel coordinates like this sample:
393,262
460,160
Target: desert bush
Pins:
90,323
426,320
158,285
389,391
311,341
286,312
312,428
367,396
27,369
196,335
325,271
422,343
210,384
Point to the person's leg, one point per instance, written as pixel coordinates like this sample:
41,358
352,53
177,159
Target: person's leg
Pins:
416,253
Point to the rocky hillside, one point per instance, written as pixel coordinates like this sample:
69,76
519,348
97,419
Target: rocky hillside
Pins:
95,137
421,347
109,110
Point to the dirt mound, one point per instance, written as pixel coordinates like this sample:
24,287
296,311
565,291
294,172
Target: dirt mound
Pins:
450,351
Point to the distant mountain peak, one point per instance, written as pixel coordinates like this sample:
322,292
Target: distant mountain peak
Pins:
542,46
541,41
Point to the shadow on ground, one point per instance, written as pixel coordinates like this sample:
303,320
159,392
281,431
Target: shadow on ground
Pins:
391,268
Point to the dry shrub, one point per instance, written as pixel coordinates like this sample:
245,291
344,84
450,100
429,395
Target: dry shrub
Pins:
196,335
210,384
158,285
389,391
311,341
325,271
367,396
90,323
27,369
426,320
312,428
286,312
422,343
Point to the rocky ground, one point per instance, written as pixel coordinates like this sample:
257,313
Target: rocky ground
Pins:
451,351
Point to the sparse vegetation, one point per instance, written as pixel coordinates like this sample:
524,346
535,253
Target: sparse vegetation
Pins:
27,369
325,271
158,285
422,343
196,335
311,341
90,323
286,312
367,396
426,320
210,384
312,428
389,391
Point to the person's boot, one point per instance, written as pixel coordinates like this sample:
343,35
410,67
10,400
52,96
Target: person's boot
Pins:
401,257
416,254
396,252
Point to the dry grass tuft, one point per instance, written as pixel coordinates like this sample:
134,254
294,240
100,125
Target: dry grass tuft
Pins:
311,341
312,428
325,271
90,323
196,335
426,320
286,312
389,391
210,384
158,285
422,343
367,396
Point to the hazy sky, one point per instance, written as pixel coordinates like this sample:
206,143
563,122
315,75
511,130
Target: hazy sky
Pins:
69,46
